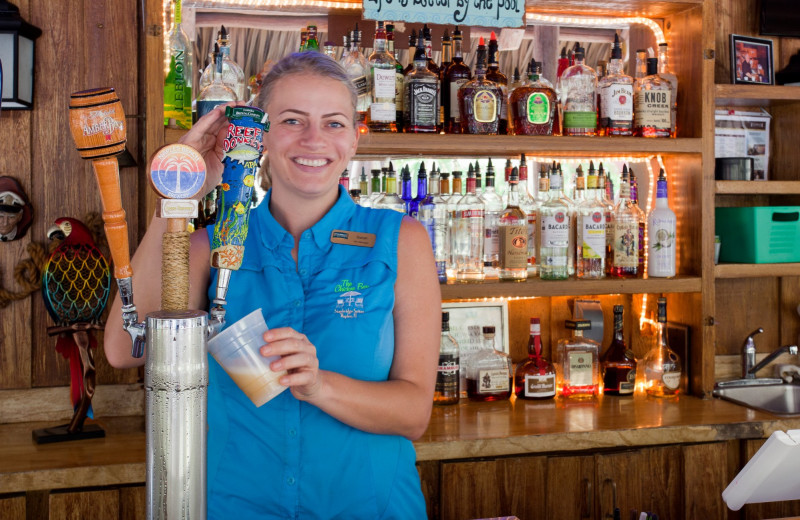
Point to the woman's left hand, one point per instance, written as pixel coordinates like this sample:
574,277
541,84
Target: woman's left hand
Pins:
298,358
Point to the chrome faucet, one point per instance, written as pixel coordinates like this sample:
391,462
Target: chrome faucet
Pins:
791,349
749,355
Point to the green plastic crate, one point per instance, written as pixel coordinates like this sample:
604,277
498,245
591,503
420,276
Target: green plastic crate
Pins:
759,235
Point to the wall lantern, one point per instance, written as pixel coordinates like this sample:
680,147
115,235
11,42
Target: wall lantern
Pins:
17,58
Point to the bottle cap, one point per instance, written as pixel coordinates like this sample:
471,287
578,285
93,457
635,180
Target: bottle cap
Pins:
652,66
488,329
445,316
616,51
578,324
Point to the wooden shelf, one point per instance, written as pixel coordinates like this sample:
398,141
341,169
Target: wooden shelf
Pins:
756,270
438,145
757,187
536,287
756,95
615,8
394,145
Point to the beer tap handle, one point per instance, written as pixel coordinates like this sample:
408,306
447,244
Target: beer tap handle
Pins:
243,147
97,123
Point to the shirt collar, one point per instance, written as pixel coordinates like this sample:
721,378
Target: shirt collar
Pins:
274,235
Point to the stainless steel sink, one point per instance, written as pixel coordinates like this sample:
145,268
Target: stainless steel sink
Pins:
778,399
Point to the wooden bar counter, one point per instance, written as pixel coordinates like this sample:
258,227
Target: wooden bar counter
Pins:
464,431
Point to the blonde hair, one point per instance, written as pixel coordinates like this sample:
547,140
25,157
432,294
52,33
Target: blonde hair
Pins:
311,63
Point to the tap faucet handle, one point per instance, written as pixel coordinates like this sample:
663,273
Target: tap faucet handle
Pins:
749,341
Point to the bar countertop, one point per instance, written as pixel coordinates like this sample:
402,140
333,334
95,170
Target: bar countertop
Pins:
463,431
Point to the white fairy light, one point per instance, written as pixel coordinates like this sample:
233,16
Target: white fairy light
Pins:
585,21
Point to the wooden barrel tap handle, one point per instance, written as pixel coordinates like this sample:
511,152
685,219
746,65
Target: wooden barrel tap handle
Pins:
97,122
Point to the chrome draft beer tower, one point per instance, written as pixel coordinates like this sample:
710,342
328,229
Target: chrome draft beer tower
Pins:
176,367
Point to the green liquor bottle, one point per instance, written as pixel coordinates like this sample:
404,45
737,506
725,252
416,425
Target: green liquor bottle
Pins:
178,83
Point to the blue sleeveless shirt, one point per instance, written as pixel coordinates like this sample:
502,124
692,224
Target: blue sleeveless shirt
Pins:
288,459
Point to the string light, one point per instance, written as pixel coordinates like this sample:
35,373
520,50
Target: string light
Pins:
257,4
585,21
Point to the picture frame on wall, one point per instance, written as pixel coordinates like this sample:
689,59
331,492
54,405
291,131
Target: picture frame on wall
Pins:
467,320
751,60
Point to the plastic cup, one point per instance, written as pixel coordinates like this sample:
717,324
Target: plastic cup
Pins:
237,350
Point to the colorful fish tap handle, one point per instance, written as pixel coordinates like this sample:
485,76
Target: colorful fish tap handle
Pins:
97,122
177,173
243,147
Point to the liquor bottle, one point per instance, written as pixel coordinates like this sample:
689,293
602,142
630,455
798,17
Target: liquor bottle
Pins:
382,114
513,232
493,207
634,183
603,191
662,366
478,178
422,191
533,105
615,91
618,363
535,378
355,194
456,75
232,73
625,224
412,44
661,224
653,109
357,68
447,60
433,214
428,42
421,95
399,78
178,82
666,73
345,47
447,378
516,81
405,189
554,233
390,199
479,100
577,92
493,74
577,363
216,93
376,193
363,183
311,43
344,180
602,69
451,198
590,255
527,203
303,38
563,63
330,50
489,373
468,236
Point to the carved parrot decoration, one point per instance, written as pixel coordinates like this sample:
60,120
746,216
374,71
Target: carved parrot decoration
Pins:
75,285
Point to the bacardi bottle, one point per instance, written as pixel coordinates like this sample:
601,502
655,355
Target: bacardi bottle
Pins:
590,232
554,233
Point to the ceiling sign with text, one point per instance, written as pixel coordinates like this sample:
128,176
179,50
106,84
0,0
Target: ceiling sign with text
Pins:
486,13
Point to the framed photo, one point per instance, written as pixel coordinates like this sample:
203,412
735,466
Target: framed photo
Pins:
467,320
751,60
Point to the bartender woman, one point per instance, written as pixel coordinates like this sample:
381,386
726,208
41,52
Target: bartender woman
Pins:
338,445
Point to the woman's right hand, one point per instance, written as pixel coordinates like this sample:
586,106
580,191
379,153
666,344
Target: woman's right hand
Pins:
207,136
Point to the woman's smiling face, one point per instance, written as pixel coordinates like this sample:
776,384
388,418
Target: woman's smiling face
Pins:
312,134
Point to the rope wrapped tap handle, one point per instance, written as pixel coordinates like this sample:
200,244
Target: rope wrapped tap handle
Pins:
177,173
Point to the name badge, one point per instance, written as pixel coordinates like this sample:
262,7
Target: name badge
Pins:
352,238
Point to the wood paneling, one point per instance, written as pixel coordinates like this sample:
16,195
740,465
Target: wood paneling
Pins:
429,479
84,505
733,17
740,305
12,508
705,476
132,503
570,488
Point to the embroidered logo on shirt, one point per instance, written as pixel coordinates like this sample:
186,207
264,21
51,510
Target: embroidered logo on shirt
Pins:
349,301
